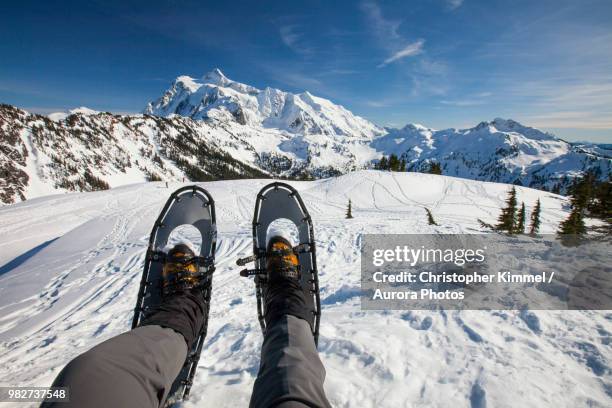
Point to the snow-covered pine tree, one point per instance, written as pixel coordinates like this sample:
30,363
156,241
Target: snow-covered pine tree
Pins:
507,218
430,218
581,194
435,168
382,164
535,219
394,162
349,210
572,229
520,225
574,224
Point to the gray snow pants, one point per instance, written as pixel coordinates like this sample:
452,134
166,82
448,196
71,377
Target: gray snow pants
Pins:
136,369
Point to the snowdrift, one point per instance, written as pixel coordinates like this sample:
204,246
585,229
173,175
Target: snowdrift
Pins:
71,266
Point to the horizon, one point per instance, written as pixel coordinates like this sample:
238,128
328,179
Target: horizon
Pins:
440,63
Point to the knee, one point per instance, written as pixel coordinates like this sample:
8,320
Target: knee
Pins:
82,367
86,361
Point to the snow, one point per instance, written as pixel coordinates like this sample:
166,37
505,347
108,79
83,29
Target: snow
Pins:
35,163
72,264
216,96
84,110
59,116
188,82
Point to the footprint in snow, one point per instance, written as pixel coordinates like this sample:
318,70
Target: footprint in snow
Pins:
531,320
416,323
593,359
471,333
478,397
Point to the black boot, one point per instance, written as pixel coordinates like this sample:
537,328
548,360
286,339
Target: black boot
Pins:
183,307
283,294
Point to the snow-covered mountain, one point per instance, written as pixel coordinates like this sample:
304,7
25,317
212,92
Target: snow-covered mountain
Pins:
214,96
87,151
500,150
214,128
72,266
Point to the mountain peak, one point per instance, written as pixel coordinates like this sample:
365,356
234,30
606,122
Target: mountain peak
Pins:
505,122
509,125
216,76
187,82
214,96
415,126
83,110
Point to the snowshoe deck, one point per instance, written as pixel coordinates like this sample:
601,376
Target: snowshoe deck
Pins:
191,205
276,201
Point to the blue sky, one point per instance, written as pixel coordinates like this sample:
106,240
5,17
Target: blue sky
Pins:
442,63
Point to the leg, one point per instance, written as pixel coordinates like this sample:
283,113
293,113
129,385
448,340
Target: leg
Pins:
290,373
135,369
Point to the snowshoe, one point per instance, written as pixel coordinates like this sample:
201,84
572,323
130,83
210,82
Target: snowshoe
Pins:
281,201
189,205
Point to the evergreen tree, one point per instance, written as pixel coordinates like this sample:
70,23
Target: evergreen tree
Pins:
349,210
394,163
435,168
520,226
383,164
574,224
402,165
535,219
583,192
602,200
485,225
430,218
507,219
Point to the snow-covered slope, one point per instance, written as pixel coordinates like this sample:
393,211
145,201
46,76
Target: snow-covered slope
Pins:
87,151
74,264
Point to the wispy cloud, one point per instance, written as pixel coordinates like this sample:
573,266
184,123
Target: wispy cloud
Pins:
476,99
408,51
386,31
377,104
340,72
294,39
553,103
463,102
570,120
288,35
453,4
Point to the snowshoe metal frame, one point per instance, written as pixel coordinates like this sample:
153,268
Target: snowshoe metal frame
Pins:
191,205
274,201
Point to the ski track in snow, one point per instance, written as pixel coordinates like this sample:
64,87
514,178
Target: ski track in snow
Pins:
80,290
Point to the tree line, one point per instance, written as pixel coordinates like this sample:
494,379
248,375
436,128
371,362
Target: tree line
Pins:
395,163
589,197
512,219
